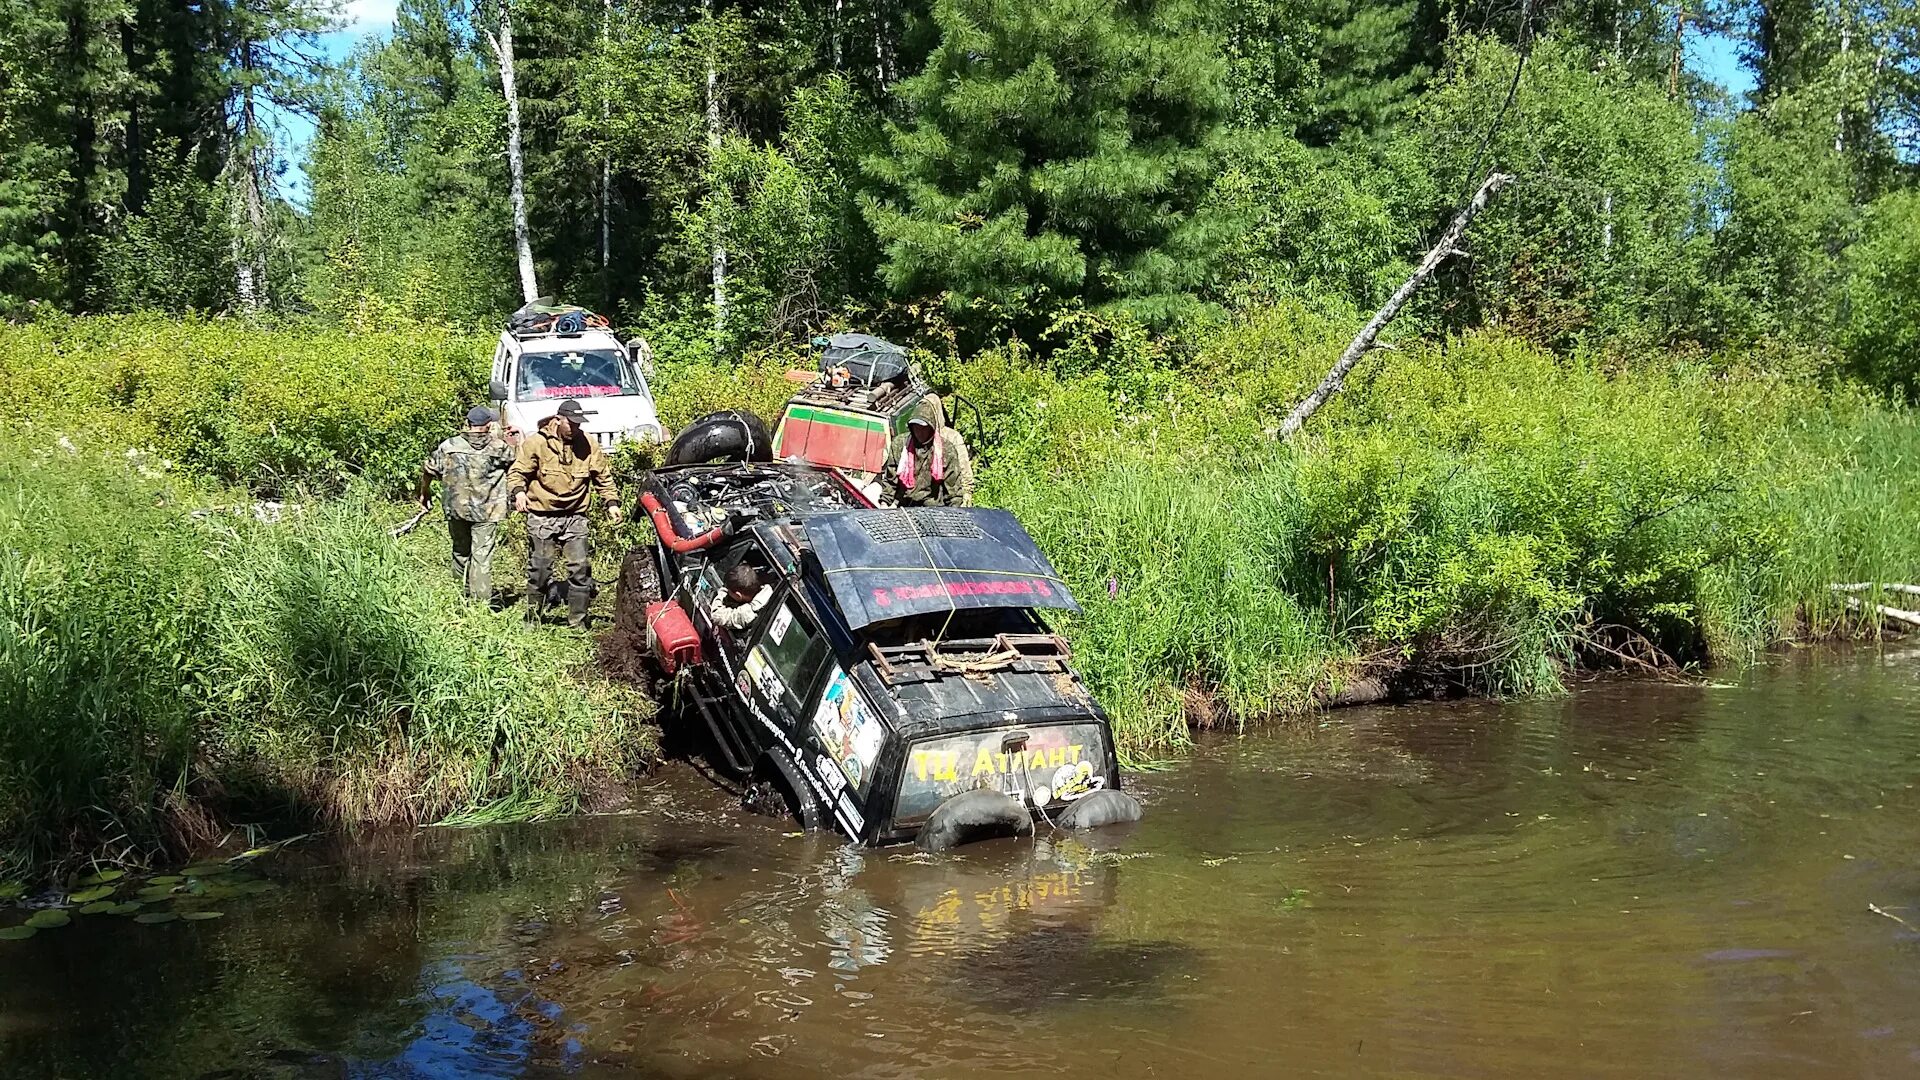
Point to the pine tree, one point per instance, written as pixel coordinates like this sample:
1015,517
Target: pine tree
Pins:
1057,151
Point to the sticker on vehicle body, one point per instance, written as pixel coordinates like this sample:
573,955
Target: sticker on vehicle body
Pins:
852,815
761,672
777,629
829,774
852,733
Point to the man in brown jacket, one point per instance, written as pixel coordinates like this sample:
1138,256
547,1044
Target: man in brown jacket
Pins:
555,471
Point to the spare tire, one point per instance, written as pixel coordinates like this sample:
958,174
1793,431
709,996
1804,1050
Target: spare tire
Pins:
980,814
1104,807
733,435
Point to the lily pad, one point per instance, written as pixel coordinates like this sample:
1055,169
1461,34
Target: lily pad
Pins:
48,918
152,917
198,916
206,869
155,892
103,877
88,896
98,907
127,908
12,890
18,933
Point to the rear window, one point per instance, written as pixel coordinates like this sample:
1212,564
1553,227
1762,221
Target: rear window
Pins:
1066,760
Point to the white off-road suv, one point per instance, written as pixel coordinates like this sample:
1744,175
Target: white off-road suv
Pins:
534,372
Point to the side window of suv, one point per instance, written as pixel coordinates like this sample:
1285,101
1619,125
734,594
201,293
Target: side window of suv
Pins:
797,652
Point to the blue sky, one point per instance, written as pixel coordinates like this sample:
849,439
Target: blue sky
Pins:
1713,56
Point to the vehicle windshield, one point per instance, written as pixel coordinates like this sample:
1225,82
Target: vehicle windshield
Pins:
576,373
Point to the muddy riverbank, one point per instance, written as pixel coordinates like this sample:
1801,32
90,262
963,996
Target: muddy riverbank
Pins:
1633,880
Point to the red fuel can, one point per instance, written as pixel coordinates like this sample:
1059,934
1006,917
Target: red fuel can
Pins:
671,636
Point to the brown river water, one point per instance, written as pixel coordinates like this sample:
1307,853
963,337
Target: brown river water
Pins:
1635,880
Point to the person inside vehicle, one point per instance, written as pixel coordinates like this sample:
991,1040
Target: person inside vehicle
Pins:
553,475
929,464
742,599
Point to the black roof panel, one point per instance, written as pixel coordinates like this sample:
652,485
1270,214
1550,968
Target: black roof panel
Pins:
890,564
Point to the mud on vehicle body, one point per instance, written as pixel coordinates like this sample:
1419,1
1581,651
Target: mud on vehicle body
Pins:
898,685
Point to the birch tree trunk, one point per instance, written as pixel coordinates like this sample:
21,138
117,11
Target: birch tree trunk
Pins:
1840,111
1337,377
516,164
719,261
606,166
249,212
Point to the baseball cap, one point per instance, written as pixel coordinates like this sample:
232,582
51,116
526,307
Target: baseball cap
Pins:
572,411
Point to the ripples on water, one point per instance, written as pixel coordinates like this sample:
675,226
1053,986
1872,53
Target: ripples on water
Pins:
1634,880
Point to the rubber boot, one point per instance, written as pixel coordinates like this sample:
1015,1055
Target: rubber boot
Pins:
577,601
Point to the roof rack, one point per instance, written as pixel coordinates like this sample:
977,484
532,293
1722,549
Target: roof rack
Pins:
927,661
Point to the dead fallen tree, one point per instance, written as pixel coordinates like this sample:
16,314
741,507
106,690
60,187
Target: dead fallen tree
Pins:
1910,619
1363,342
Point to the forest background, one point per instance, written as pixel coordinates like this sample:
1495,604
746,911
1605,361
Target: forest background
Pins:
726,174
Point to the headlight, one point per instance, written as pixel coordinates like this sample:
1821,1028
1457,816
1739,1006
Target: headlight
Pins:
646,433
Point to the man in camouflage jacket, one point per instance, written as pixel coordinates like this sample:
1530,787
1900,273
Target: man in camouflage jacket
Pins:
472,470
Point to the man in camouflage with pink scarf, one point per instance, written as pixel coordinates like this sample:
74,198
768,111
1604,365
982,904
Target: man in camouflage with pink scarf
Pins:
929,465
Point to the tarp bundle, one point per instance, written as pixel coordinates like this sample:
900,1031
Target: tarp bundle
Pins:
867,359
543,316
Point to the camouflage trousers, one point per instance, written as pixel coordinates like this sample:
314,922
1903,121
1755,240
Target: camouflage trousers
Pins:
559,535
473,555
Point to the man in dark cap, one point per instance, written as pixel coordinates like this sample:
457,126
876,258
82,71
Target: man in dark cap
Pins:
556,471
472,470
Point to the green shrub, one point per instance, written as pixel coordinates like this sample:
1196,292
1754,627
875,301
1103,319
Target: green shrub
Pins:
265,407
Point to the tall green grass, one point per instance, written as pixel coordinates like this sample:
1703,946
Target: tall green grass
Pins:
160,674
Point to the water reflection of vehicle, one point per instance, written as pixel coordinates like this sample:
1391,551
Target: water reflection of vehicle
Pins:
898,683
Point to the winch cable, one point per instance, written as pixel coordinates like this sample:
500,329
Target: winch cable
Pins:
939,578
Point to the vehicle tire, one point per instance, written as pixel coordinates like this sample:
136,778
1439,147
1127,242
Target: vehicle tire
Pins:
637,586
776,789
1100,808
733,435
980,814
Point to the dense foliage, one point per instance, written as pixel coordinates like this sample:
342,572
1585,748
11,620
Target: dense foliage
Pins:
267,408
724,172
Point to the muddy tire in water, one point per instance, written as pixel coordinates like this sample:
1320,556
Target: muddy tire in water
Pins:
733,435
776,790
623,649
638,586
980,814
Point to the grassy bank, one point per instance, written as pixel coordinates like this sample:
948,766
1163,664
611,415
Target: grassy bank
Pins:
1477,515
162,676
1472,515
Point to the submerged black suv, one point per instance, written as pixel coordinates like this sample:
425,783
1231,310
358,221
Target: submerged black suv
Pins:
899,684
